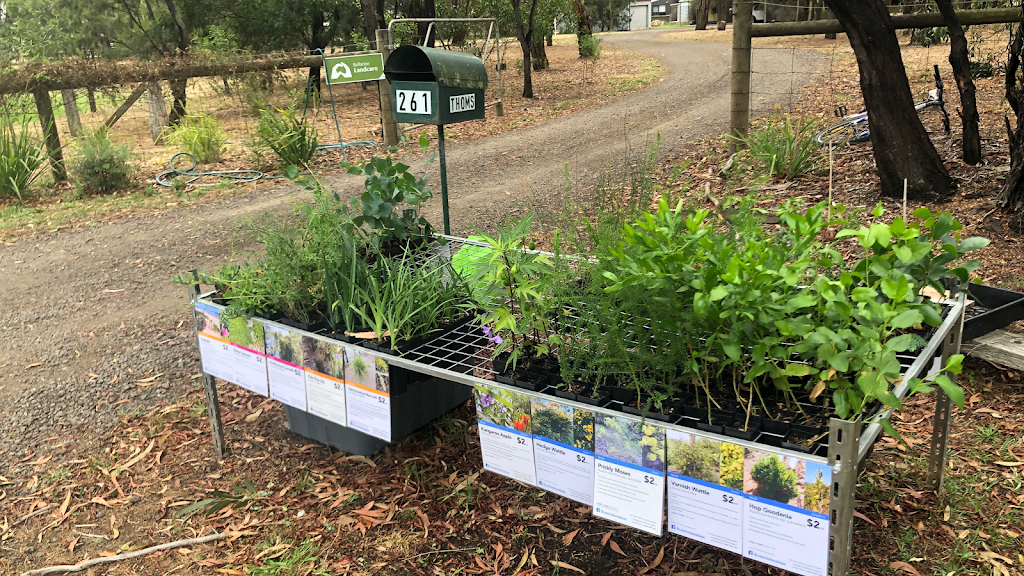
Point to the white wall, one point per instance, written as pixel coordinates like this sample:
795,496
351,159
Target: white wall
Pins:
639,15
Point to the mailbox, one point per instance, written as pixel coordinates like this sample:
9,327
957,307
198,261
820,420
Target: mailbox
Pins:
433,86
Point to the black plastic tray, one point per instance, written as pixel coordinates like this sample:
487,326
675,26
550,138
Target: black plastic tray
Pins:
993,308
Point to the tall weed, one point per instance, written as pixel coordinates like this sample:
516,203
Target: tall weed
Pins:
201,136
785,149
103,166
21,158
293,140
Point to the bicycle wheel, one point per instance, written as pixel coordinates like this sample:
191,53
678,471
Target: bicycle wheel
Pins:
838,134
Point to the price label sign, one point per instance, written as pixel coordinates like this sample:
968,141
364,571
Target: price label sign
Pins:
325,384
563,447
368,393
629,479
506,442
284,366
413,102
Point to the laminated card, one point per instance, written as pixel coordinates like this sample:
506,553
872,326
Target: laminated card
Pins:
248,347
214,348
629,482
705,490
785,516
284,366
563,449
324,361
368,393
506,443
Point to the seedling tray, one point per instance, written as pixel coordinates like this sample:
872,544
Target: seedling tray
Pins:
993,309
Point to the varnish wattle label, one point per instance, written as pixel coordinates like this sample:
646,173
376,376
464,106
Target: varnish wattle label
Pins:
367,393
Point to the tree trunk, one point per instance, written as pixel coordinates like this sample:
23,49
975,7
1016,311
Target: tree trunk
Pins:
551,39
584,28
91,93
178,109
369,22
540,55
315,47
961,63
44,107
1011,196
71,113
703,6
901,145
157,111
524,31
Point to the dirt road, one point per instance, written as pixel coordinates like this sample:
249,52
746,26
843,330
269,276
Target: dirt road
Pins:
93,325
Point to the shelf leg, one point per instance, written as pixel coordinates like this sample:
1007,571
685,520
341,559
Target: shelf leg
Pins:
843,443
943,413
220,447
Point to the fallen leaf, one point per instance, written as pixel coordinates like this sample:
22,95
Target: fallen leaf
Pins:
41,461
567,539
945,514
34,365
615,547
905,567
558,564
252,417
67,502
604,539
863,517
106,554
117,532
426,521
230,571
71,546
657,561
1001,463
983,534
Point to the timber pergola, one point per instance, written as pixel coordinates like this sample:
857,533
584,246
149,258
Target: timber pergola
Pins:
743,30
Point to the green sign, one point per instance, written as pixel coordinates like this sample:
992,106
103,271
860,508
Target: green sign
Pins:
357,68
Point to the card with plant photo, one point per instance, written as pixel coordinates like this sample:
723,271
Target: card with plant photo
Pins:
630,441
361,368
503,407
323,356
774,477
694,456
245,332
817,478
283,344
562,423
208,320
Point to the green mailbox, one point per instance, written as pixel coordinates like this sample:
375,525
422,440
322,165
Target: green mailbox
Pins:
433,86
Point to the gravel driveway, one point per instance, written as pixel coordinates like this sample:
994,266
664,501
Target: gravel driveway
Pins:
93,326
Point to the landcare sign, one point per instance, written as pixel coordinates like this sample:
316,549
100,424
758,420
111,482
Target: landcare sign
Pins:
356,68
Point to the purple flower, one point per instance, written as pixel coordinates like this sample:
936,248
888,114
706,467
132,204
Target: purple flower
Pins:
486,401
491,336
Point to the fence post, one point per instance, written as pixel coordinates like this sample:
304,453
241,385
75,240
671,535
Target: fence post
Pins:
740,108
389,127
71,112
45,109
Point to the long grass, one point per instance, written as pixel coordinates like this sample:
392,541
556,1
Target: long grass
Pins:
785,149
292,139
201,136
21,158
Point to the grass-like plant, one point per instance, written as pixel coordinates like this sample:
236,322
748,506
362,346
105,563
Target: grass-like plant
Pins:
102,165
201,136
290,137
784,148
21,158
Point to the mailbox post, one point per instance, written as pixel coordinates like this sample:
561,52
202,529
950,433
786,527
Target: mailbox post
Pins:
433,86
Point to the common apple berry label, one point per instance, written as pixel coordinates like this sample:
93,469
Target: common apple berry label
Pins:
700,505
629,479
563,449
506,440
285,373
324,362
368,393
214,350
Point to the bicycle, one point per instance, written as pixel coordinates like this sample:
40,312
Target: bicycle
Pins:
853,129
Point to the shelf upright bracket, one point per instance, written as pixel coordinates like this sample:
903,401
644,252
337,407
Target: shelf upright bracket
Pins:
943,408
220,447
843,447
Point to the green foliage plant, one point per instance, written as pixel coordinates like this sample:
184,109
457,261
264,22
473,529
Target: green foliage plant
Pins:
201,136
102,165
293,140
387,185
784,148
774,479
698,458
21,158
590,47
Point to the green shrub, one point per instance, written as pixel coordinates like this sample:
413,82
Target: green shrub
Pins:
776,481
590,47
21,158
292,139
201,136
783,148
103,165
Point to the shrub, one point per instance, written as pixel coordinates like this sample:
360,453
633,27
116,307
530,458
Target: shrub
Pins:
201,136
776,481
783,148
21,158
103,165
590,47
294,141
698,459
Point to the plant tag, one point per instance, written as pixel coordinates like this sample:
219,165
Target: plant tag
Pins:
563,449
285,373
249,359
367,393
629,479
506,439
705,496
214,351
325,379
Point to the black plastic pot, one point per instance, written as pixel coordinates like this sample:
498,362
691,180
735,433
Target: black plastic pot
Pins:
539,385
667,418
311,328
735,429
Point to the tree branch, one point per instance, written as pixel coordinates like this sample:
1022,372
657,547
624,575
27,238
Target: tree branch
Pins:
90,563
